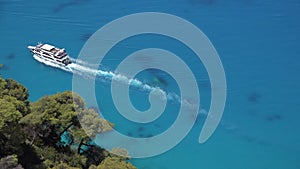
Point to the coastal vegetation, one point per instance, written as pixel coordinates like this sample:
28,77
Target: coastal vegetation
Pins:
46,134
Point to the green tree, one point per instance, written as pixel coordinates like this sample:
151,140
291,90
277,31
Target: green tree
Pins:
90,125
15,93
47,134
11,135
120,152
53,122
115,163
10,162
14,105
63,166
52,116
8,114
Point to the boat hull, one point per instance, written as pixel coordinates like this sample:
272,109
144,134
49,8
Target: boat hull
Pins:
51,63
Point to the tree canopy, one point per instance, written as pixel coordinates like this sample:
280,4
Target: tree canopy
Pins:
48,134
10,162
115,163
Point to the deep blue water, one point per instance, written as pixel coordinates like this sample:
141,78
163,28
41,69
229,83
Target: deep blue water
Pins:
258,43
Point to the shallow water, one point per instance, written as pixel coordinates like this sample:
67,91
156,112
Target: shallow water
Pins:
258,43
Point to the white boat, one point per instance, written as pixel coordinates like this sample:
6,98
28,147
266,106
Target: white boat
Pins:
46,52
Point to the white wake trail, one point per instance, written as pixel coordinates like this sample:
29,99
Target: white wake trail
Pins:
109,75
137,84
84,69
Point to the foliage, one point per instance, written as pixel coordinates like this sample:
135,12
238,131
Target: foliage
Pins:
120,152
92,124
115,163
51,116
15,93
47,134
8,114
11,109
10,162
64,166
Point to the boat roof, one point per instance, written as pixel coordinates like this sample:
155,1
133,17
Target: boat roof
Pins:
47,47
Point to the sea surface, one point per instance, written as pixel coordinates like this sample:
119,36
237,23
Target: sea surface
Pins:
258,44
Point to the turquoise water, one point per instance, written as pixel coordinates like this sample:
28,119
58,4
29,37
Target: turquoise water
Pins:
258,43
